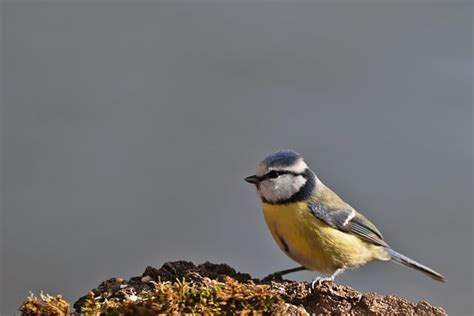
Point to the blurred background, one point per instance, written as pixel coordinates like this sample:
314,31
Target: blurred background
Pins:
128,129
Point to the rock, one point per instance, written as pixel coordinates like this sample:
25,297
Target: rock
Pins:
182,287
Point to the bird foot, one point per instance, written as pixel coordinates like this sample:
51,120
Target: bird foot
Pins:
320,280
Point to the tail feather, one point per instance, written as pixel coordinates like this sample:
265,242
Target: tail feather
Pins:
410,263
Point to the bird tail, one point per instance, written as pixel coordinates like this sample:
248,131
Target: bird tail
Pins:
410,263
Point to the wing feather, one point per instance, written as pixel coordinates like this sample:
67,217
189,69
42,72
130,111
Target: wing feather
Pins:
348,220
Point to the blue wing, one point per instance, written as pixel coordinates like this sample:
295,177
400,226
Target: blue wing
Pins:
348,220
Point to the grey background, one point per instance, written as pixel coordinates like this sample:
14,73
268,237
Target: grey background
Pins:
128,129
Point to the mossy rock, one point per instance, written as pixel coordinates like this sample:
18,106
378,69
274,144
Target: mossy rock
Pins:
207,289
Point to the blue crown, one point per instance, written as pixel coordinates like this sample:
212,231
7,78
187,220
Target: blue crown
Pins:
283,158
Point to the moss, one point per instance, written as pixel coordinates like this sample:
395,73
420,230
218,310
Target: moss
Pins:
213,297
45,305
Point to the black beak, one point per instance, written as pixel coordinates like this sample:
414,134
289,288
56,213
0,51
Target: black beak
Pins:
252,179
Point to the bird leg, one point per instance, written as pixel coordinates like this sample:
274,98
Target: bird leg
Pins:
320,280
278,275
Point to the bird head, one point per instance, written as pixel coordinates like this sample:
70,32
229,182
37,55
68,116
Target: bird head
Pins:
283,177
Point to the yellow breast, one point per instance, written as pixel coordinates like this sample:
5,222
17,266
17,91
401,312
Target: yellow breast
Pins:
312,243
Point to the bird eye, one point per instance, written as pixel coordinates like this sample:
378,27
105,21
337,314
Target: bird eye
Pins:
273,174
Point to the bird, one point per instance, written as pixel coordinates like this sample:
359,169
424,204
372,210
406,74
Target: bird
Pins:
316,228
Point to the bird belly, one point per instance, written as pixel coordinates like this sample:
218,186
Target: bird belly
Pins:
312,243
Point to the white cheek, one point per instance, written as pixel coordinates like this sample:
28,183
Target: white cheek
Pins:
281,188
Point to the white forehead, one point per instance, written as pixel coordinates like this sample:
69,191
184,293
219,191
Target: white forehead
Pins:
299,166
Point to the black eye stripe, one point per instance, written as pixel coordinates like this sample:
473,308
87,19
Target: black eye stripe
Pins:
272,174
276,173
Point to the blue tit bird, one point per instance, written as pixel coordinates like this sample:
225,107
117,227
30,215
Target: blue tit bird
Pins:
314,226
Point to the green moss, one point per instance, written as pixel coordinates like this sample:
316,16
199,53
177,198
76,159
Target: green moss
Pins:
212,297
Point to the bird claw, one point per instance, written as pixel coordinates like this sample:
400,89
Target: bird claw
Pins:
320,280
